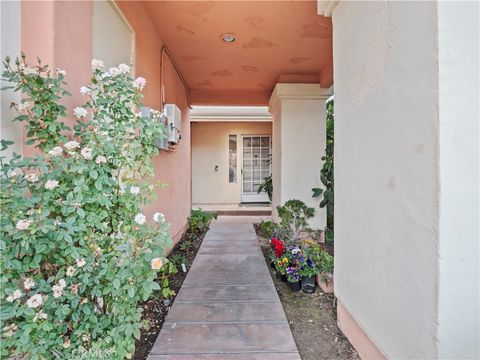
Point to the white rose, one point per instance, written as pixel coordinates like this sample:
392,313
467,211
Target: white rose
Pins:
114,71
31,177
140,219
84,90
17,294
139,83
30,71
97,64
28,284
40,315
158,217
87,153
57,291
25,107
23,224
56,151
51,184
71,145
135,190
35,301
70,271
101,159
80,112
124,68
80,262
61,72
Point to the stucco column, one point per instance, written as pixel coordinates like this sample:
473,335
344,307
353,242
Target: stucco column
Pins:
298,144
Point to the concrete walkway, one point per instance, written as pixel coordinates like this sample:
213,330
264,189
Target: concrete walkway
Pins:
227,307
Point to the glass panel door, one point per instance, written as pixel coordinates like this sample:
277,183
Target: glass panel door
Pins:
255,166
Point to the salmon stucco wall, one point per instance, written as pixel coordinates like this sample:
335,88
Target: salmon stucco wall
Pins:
171,168
50,30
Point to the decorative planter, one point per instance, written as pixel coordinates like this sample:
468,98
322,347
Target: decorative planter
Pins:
308,284
294,286
326,286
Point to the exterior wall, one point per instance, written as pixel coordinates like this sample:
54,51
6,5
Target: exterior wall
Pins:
50,30
171,168
459,278
210,148
299,118
10,45
406,176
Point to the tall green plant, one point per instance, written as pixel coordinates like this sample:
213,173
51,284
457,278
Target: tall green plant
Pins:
267,184
326,174
78,254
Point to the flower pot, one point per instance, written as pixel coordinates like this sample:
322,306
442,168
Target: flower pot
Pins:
308,284
280,276
294,286
326,286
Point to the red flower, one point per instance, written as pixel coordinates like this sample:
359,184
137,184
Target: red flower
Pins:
278,246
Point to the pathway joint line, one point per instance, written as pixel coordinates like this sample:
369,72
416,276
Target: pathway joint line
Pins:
209,317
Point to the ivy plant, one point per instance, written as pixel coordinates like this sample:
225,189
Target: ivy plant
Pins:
78,254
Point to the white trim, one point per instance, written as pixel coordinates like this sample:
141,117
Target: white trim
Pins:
230,113
297,92
325,7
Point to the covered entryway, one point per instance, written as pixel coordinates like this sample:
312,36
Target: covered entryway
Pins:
231,151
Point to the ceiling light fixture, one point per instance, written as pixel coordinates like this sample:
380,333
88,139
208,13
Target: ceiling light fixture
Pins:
228,38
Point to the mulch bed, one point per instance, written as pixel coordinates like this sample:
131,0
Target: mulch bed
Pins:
312,319
154,311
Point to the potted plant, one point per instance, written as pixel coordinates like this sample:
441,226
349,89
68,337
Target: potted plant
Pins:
308,271
293,278
325,276
281,266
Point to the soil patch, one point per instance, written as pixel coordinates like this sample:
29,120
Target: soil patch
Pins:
313,320
154,311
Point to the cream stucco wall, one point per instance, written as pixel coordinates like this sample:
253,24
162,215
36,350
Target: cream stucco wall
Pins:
299,139
10,45
459,270
210,148
406,175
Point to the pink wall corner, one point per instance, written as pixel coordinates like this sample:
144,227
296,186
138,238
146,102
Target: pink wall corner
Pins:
171,168
50,31
361,342
74,48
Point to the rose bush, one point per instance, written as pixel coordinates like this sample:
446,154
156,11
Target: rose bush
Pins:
78,254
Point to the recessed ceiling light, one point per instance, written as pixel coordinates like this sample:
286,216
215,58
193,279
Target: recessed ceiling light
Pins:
228,38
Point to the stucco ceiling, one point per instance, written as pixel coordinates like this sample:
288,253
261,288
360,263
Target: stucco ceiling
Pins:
274,39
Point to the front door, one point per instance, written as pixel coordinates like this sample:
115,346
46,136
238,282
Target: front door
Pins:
255,166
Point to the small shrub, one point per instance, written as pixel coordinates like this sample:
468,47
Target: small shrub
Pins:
166,272
178,260
185,245
78,255
294,215
199,221
268,228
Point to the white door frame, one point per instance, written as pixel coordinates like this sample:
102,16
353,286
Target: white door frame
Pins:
253,197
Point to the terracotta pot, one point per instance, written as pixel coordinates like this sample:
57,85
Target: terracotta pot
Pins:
326,286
